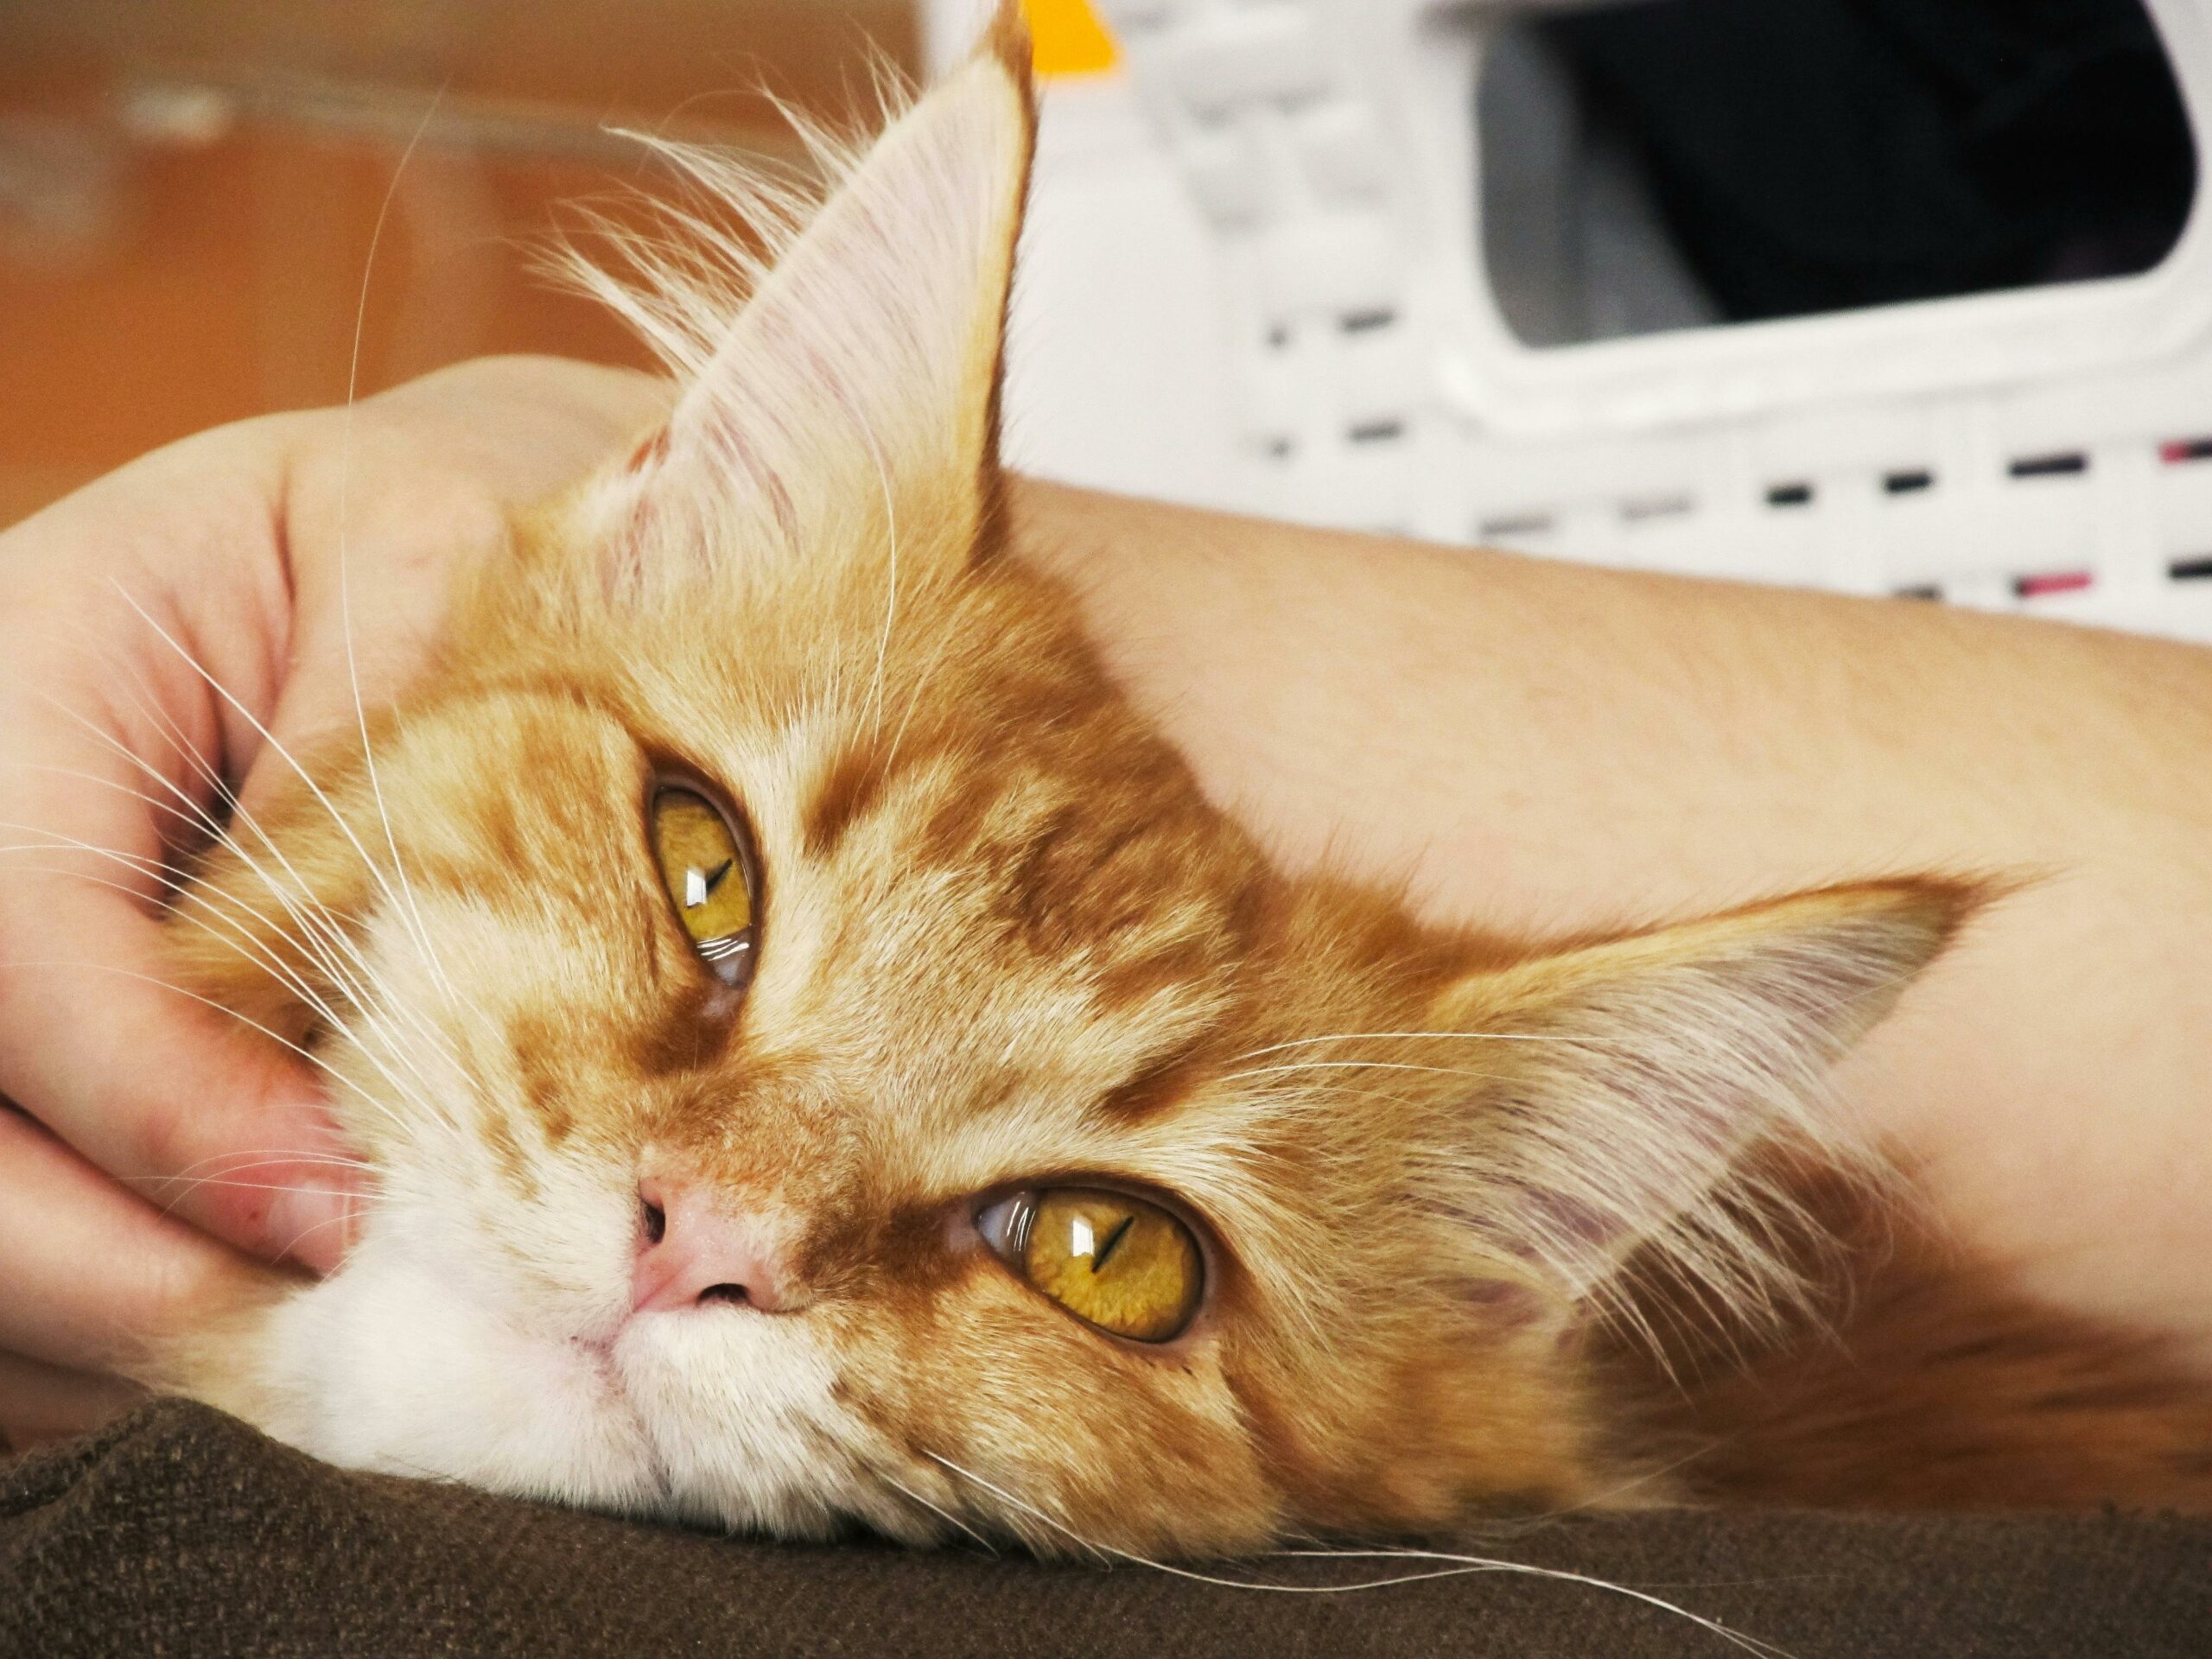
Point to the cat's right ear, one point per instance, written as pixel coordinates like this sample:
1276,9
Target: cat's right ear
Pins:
854,400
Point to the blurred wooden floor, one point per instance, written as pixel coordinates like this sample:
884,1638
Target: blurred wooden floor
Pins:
188,189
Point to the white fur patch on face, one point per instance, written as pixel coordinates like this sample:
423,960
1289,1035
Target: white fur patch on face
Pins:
718,1415
386,1366
740,1410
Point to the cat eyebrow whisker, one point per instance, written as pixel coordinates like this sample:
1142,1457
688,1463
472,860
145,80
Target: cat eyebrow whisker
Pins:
1449,1566
417,927
914,698
1359,1065
381,1108
218,833
1415,1036
947,639
891,602
55,842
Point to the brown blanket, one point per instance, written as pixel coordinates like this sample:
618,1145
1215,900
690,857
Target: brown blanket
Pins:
179,1531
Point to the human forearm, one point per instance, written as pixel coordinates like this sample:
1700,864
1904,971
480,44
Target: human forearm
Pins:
1546,748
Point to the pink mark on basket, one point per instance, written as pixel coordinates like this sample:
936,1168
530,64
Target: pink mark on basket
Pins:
2052,581
2185,449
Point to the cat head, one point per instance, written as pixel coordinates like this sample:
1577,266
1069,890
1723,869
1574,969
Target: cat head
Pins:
824,1062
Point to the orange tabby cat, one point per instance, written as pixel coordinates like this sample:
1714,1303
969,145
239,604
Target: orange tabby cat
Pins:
824,1062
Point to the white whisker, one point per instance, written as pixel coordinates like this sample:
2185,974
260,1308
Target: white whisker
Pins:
247,1020
316,789
1359,1065
238,939
417,926
320,935
1450,1565
947,1516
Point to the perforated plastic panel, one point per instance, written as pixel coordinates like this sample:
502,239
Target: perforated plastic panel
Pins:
1255,280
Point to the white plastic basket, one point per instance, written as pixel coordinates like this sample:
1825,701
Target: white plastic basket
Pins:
1254,279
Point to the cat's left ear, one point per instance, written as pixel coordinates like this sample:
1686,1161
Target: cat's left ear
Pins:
856,393
1613,1091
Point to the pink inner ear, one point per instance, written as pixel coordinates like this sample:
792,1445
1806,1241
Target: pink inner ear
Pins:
860,372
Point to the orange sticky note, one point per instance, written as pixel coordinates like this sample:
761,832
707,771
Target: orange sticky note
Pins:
1070,39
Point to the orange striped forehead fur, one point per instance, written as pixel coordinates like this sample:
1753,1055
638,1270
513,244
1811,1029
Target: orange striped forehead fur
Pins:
1004,942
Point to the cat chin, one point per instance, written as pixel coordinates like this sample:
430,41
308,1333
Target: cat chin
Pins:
388,1367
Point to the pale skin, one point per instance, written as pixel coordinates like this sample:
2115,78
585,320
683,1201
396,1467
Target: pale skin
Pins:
1532,749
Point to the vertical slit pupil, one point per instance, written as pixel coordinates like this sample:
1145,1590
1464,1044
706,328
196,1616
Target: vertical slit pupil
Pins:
1111,1242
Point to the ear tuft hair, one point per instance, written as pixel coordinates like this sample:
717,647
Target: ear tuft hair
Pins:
842,385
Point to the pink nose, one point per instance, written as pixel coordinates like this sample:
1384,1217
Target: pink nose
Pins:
691,1253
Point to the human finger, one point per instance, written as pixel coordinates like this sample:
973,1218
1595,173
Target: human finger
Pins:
167,1091
104,774
41,1403
95,1276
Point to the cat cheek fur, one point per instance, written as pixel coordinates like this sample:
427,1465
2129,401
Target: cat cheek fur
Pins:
1003,939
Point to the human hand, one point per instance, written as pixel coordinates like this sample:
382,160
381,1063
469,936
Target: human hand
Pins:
192,619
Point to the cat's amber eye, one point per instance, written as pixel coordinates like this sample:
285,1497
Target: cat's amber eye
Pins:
1122,1264
710,879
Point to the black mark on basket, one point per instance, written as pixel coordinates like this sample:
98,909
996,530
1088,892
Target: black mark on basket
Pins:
2191,569
1366,323
1280,449
1910,481
1519,524
1278,337
1789,495
1919,591
2067,465
1377,432
1645,509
